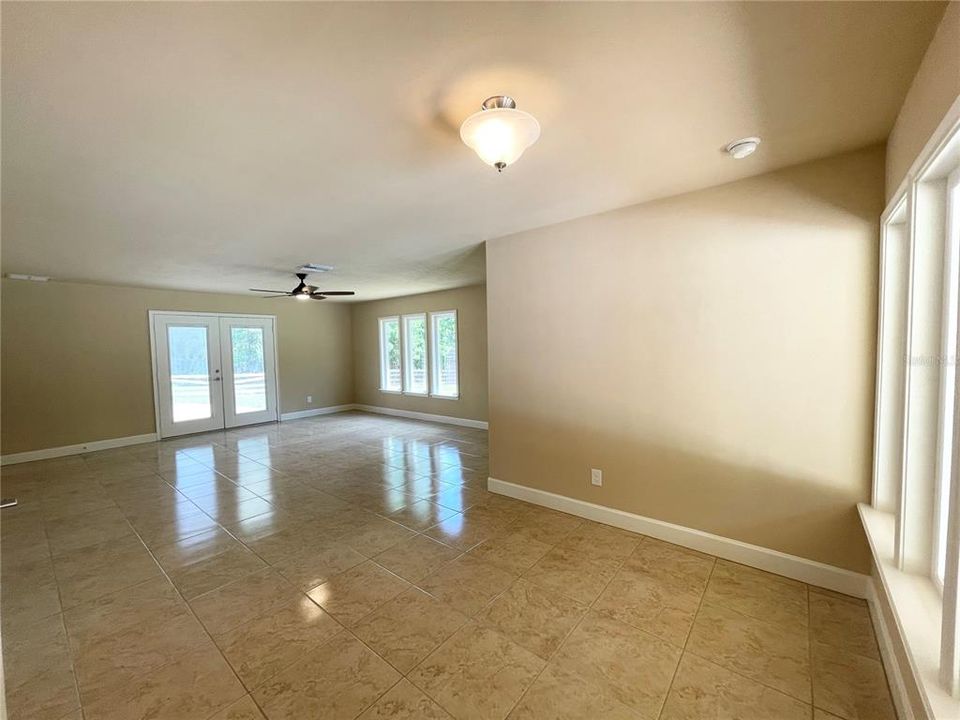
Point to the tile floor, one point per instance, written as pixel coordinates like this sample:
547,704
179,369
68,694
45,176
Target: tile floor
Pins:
355,566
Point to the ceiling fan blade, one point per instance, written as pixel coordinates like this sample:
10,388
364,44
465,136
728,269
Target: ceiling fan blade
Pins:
270,297
317,297
334,292
281,292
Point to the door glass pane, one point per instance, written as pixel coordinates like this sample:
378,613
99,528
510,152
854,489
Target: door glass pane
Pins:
189,372
249,376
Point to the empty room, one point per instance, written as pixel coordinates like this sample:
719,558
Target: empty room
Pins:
480,360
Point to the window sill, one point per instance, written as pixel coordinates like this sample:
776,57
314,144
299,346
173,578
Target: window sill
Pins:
415,394
445,397
917,609
391,392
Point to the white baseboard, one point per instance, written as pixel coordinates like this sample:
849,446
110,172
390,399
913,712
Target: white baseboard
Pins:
65,450
316,411
895,673
446,419
791,566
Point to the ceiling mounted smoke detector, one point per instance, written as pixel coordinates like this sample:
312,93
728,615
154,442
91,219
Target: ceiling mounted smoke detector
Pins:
739,149
499,133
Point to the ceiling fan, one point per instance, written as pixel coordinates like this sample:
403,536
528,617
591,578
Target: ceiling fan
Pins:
303,291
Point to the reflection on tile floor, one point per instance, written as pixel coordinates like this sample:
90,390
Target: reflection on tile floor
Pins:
355,566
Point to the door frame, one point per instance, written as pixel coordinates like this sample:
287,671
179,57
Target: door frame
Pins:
153,354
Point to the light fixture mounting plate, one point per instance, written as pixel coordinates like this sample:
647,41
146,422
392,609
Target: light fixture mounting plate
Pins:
499,101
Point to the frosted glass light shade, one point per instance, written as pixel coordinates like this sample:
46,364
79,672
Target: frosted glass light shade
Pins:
500,135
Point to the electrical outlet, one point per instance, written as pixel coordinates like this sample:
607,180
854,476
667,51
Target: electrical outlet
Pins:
309,399
596,476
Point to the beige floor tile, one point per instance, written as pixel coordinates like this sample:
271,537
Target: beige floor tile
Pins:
421,515
464,530
230,512
357,592
197,548
573,574
601,541
317,563
415,558
547,526
120,637
757,593
243,709
477,674
534,618
652,602
844,623
28,592
849,685
266,645
678,567
408,628
467,584
90,572
242,600
39,677
197,685
404,701
109,659
213,572
819,714
702,689
376,535
163,530
80,531
557,695
627,664
336,682
148,602
513,553
772,653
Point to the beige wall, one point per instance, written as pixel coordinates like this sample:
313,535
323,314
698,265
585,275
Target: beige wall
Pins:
713,353
935,87
470,304
76,358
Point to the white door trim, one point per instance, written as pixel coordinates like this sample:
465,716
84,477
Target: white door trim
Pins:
153,353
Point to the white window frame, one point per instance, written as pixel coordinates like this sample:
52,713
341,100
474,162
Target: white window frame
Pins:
406,369
949,407
384,361
903,524
435,348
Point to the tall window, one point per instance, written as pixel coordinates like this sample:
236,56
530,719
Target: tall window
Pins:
418,354
390,379
948,387
443,342
415,354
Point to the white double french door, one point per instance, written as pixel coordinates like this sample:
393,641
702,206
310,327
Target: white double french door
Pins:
212,371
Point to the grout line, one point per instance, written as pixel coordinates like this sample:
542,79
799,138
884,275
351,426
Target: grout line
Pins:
686,639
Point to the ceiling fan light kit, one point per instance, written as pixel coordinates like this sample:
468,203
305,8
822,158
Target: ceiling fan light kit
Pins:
499,133
303,291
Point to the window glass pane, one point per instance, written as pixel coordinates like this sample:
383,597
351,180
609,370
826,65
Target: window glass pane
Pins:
390,354
948,411
249,376
189,373
445,370
415,349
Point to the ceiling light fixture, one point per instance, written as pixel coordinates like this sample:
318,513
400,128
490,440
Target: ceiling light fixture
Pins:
499,133
739,149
